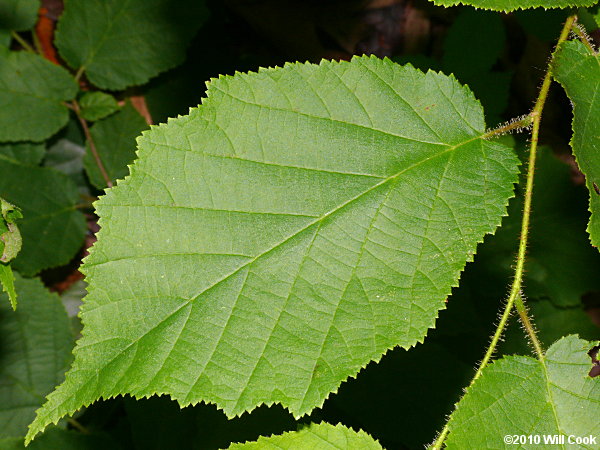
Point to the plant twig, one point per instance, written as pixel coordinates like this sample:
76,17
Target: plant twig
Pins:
515,296
75,424
88,136
79,73
22,41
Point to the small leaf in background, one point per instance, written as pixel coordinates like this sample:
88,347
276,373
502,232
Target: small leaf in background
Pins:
97,105
120,44
66,156
10,245
18,15
314,436
295,227
35,352
10,237
519,395
511,5
52,228
24,152
36,89
578,71
115,140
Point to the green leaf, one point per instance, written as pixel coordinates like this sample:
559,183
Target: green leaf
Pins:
511,5
18,15
10,245
7,281
123,43
5,38
97,105
519,395
52,228
10,237
24,152
35,89
35,352
296,226
114,138
578,71
314,436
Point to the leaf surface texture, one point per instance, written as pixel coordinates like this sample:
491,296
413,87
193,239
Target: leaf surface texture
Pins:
511,5
521,395
296,226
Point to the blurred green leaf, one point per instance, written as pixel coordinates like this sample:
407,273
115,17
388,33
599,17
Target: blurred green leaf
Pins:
36,89
52,228
97,105
35,351
24,152
115,140
18,15
124,43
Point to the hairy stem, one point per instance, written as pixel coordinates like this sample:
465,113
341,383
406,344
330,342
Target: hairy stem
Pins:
517,124
579,31
88,136
515,296
22,41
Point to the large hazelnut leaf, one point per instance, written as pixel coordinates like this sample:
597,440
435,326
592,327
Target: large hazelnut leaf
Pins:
296,226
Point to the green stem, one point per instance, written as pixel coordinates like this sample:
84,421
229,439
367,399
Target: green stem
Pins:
79,73
517,124
37,43
515,296
75,424
90,140
22,42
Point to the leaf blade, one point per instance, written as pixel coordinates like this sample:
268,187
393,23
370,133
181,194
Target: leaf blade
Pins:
322,241
38,89
322,435
511,5
518,394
